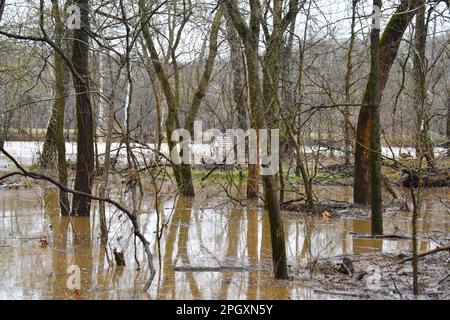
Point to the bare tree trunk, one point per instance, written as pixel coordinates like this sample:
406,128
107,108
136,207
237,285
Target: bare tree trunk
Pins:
424,146
307,182
2,8
417,203
107,163
54,144
448,123
185,187
2,129
265,101
238,72
85,127
389,44
182,172
375,145
348,87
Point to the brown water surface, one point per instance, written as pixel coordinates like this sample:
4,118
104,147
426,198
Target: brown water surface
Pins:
203,232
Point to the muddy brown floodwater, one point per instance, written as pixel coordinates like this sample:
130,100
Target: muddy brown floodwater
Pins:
229,246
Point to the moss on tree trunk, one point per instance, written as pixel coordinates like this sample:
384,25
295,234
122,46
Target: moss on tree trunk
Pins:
389,44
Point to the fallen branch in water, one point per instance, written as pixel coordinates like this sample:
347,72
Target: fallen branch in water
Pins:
292,201
379,236
341,293
212,269
133,218
424,254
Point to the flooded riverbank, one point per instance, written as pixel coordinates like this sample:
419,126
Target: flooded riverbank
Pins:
27,152
209,249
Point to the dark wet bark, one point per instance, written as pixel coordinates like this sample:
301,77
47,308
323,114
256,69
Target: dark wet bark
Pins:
389,44
85,127
416,200
2,8
434,179
375,145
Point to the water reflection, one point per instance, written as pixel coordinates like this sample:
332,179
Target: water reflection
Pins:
196,236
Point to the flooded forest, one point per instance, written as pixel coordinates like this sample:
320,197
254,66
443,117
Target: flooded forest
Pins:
224,150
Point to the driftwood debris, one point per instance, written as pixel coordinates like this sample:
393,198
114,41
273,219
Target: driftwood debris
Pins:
424,254
298,206
345,267
212,269
440,178
342,293
377,236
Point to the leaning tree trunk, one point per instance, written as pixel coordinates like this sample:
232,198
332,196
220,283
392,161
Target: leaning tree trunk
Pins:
182,172
186,168
85,126
389,44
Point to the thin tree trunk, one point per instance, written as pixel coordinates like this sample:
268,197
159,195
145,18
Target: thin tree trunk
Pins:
417,203
2,116
239,87
107,163
375,145
54,144
448,123
424,147
348,87
307,182
85,127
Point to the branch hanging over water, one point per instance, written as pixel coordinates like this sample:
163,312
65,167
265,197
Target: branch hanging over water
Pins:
133,218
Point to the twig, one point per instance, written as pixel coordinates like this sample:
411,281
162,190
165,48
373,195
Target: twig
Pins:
396,289
445,278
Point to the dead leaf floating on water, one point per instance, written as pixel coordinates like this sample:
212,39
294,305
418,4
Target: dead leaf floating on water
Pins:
43,242
76,292
326,215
